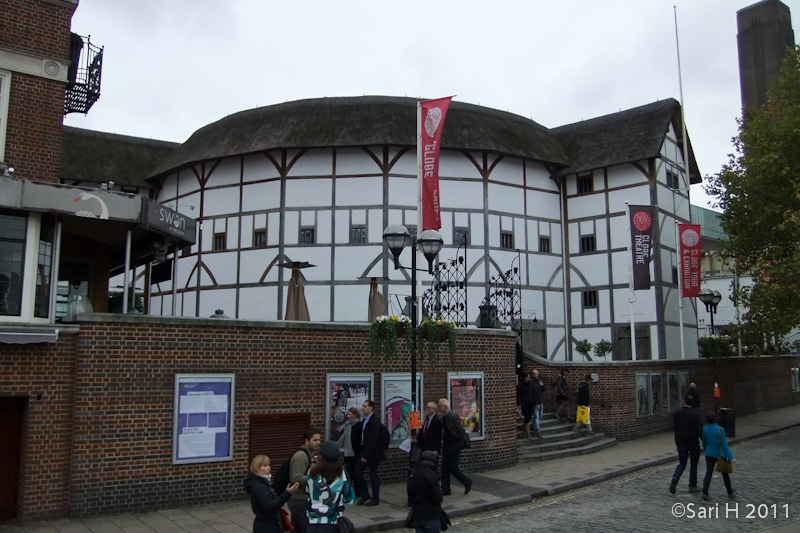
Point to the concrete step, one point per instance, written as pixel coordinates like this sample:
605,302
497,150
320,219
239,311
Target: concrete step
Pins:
548,436
576,442
590,447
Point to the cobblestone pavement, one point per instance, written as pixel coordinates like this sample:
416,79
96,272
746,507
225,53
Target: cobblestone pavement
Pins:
765,476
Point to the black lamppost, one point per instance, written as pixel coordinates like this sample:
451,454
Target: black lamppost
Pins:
430,242
710,299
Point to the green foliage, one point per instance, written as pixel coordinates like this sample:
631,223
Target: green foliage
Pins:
602,348
714,346
583,347
384,334
759,193
433,332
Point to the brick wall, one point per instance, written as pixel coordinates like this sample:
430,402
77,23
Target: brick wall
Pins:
98,418
747,385
124,386
44,375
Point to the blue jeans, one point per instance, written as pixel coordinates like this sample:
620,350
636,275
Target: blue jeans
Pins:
685,453
538,411
427,526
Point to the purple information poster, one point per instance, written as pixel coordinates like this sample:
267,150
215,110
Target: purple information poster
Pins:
466,400
397,404
343,392
203,428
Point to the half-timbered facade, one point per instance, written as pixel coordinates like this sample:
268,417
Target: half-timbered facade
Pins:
317,181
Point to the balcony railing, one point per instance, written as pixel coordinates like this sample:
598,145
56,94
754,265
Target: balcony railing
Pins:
83,78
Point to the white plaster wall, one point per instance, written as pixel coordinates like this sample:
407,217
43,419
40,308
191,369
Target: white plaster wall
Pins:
258,303
187,179
460,194
508,170
214,299
260,196
316,162
352,161
222,266
359,191
507,199
259,167
633,195
626,175
476,229
221,202
308,192
593,268
254,262
227,172
586,205
403,191
452,163
543,205
644,307
351,303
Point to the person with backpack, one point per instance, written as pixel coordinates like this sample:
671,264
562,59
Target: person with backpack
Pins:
329,489
454,437
562,395
299,464
370,439
264,499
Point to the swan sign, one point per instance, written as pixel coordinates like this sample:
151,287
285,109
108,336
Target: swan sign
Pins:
169,221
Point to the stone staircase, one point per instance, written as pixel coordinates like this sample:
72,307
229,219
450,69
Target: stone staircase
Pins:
559,439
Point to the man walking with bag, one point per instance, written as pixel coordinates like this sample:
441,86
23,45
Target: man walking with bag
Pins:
688,430
453,438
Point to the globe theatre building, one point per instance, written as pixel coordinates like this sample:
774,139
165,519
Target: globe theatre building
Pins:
317,181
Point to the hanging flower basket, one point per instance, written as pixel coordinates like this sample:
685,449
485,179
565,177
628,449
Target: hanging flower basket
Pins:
714,346
433,333
385,333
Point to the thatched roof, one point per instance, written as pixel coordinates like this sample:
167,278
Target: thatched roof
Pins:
631,135
362,121
99,157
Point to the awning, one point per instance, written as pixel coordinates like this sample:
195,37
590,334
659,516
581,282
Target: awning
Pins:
29,337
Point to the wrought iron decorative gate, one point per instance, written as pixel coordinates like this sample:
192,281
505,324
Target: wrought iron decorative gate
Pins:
505,296
447,296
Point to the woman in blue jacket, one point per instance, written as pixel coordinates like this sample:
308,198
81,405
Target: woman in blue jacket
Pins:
715,445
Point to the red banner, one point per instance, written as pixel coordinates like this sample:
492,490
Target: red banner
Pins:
690,247
429,128
641,244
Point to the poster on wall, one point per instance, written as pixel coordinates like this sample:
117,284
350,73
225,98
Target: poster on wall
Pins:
203,418
656,405
396,394
465,391
642,394
795,379
343,392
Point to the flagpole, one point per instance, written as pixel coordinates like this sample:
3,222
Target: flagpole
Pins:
419,207
685,142
680,286
631,298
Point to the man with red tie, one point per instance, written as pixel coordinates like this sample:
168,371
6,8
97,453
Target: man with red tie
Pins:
429,437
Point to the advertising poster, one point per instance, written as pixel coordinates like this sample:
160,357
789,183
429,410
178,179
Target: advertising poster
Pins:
641,218
397,405
466,400
683,377
642,395
203,413
345,391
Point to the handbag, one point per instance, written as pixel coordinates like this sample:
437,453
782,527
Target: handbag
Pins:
724,466
444,520
287,524
582,416
345,525
409,521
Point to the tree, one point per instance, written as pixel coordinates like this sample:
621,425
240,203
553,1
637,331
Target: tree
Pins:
759,193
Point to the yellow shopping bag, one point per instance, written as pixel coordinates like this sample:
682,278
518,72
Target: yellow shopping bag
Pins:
583,415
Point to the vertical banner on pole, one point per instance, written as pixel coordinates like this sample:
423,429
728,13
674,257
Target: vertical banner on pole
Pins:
641,239
431,122
690,248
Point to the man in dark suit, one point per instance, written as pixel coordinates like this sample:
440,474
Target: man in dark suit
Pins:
370,454
430,436
688,426
453,438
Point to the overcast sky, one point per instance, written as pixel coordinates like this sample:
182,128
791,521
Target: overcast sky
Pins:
173,66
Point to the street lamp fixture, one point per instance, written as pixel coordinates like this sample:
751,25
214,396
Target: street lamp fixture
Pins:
430,242
710,299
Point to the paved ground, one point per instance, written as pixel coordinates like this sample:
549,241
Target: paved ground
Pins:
565,492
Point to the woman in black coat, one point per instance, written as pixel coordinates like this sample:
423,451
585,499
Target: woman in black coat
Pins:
265,502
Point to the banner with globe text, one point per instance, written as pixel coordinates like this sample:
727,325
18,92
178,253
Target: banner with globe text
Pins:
429,132
690,248
641,218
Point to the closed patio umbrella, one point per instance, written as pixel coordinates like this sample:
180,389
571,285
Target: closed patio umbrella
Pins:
377,305
296,306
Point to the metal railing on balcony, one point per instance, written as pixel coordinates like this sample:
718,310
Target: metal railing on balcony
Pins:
83,77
